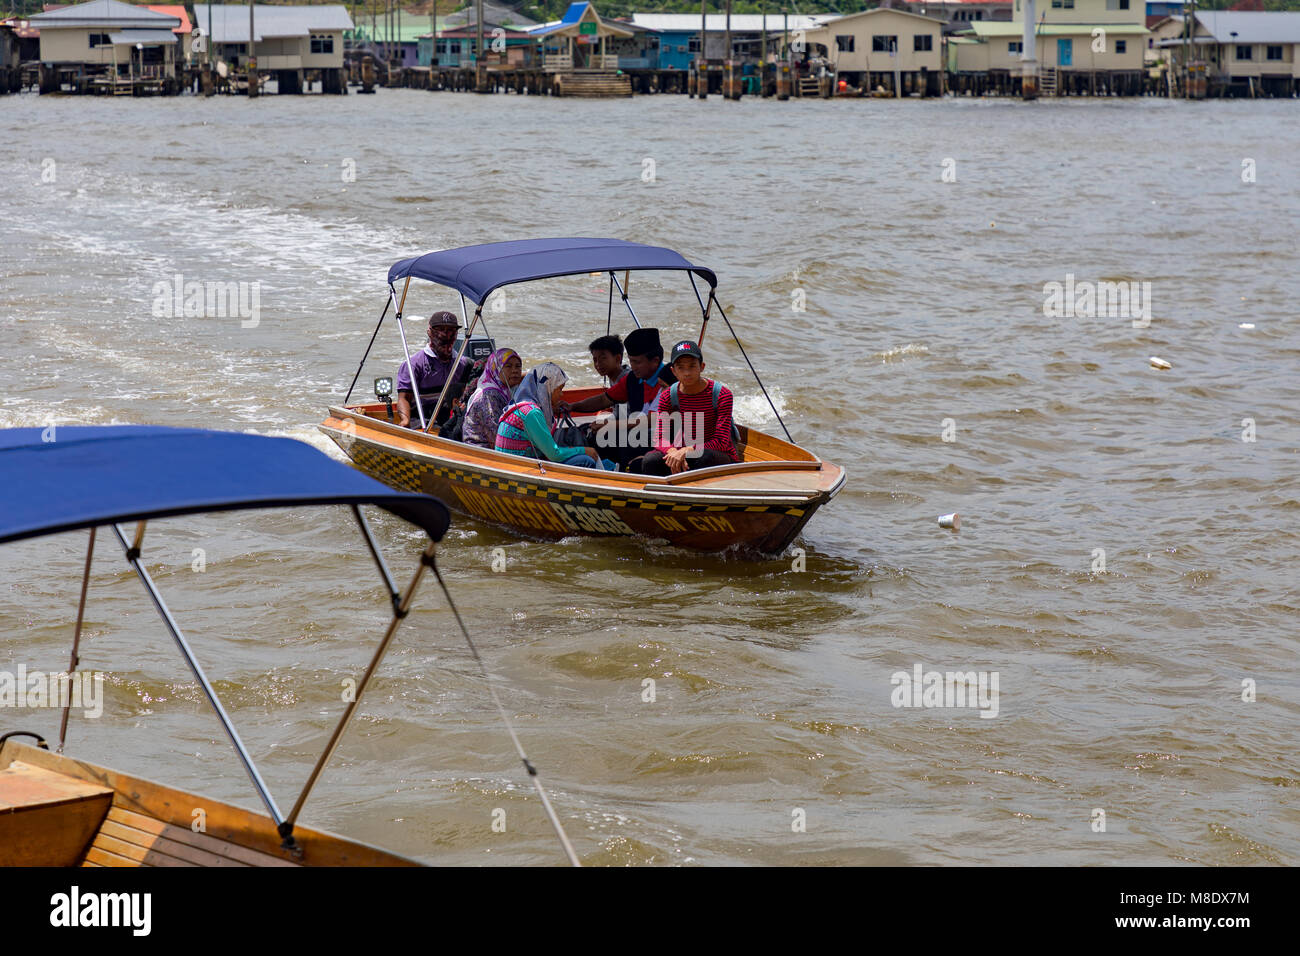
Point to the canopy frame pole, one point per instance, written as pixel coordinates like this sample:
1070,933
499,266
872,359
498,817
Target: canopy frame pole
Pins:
419,405
400,611
133,558
387,305
378,556
465,317
609,315
451,374
752,370
76,639
704,310
704,323
627,303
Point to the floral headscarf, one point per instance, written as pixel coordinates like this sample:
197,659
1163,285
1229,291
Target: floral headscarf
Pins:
493,378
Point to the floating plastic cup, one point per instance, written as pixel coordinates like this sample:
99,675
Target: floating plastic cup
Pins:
1158,362
952,521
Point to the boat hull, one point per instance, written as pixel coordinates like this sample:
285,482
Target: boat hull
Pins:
546,501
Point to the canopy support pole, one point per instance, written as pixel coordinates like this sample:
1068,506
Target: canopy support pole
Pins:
465,316
451,374
410,370
399,612
132,552
387,305
609,315
76,638
378,556
721,312
614,278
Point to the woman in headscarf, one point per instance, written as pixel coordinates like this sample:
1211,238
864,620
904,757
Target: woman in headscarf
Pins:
525,427
501,372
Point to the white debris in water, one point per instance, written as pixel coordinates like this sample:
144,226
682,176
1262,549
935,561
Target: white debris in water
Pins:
902,351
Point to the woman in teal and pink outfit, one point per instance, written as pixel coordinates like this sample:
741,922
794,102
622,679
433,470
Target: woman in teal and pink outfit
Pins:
525,427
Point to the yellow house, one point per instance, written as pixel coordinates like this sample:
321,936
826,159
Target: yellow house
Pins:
869,49
1085,35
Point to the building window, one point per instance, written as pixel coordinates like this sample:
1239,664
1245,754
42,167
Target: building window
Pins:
1116,4
1243,53
322,44
1069,4
98,39
922,42
881,43
1273,53
1016,46
1121,46
693,45
979,14
844,44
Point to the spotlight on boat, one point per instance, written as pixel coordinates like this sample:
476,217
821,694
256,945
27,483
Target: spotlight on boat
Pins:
384,392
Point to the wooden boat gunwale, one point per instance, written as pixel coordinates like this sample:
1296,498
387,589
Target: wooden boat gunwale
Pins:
178,825
579,478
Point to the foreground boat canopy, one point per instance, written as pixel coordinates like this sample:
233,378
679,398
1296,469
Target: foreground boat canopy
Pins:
475,271
68,477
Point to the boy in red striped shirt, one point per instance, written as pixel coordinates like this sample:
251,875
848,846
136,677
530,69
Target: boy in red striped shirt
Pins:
701,410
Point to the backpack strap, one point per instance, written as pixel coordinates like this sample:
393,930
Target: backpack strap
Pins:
717,390
672,396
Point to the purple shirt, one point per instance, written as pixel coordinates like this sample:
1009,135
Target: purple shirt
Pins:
430,374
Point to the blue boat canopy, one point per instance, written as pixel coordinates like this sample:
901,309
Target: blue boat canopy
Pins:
475,271
70,477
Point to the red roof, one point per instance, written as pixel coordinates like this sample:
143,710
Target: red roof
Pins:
173,11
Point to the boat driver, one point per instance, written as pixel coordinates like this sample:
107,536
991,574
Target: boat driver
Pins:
432,367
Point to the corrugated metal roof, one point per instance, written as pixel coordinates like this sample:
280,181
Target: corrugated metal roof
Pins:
717,22
109,13
1251,27
147,37
230,23
1001,28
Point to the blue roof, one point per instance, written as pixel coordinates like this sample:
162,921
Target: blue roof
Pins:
574,13
96,475
476,271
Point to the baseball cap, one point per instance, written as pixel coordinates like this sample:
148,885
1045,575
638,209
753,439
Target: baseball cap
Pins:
443,318
685,347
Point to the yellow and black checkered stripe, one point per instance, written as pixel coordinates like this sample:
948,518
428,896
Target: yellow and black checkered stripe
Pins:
401,471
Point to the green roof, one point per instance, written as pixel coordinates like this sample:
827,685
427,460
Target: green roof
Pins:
989,28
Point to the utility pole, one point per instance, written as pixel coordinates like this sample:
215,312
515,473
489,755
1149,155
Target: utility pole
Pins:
702,65
480,67
252,54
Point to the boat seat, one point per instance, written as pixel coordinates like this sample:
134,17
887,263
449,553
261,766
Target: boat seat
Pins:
47,818
128,838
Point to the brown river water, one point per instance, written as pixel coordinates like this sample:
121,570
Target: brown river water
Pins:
1157,682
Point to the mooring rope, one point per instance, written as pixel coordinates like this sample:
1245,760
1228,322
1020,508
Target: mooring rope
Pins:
519,748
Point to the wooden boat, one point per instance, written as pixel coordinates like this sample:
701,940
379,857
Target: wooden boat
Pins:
760,503
57,811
